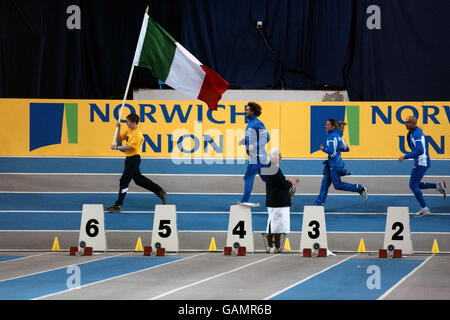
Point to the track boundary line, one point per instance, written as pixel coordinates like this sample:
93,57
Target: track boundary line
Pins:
209,278
120,276
307,278
404,278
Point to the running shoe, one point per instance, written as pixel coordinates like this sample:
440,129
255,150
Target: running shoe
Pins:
423,212
364,193
441,188
115,208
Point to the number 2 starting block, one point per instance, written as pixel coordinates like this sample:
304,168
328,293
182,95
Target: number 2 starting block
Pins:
397,235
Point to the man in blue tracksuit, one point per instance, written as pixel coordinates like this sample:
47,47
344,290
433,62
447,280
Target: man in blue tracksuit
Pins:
334,166
419,152
256,138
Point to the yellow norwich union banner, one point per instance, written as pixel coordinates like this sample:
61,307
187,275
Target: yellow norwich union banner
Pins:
375,130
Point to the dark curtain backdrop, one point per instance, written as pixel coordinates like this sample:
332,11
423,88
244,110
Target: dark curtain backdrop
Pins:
315,44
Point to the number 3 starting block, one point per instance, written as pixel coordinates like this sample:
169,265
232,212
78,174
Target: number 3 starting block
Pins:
314,232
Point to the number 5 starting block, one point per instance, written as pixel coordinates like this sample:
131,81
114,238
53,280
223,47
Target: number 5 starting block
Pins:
165,231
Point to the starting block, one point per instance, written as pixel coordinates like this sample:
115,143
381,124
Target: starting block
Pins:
314,240
160,252
307,252
382,253
87,251
235,250
73,251
84,251
165,229
390,252
92,227
397,253
316,251
227,251
148,251
397,234
241,251
322,252
240,228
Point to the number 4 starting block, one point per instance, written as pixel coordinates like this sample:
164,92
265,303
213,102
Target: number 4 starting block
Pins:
240,232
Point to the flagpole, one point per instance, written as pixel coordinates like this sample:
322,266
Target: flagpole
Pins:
123,103
124,98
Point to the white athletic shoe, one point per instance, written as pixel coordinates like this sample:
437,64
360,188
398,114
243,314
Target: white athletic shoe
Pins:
423,212
441,188
292,192
364,193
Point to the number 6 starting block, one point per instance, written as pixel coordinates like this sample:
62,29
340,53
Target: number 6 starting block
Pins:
92,228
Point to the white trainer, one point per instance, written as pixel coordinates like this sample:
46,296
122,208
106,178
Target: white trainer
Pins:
423,212
441,188
364,193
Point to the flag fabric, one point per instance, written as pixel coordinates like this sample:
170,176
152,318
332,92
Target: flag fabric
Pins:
170,62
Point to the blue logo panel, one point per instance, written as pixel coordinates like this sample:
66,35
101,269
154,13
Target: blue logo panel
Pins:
319,116
46,121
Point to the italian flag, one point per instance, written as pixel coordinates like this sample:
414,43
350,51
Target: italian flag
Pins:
170,62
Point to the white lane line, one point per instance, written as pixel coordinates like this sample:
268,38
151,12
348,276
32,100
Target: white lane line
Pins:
31,256
120,276
205,212
61,267
210,278
306,279
203,175
405,277
211,193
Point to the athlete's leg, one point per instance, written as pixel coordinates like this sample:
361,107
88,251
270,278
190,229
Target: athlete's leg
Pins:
249,177
325,185
417,174
344,186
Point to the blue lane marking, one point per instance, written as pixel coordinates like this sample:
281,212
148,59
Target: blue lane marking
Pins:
348,280
211,222
7,258
212,202
167,166
37,285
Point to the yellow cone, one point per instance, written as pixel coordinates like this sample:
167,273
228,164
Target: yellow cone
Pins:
361,247
212,245
56,245
435,248
287,246
139,245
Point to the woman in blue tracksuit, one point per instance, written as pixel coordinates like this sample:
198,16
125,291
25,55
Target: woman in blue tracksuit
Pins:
256,138
334,166
419,152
